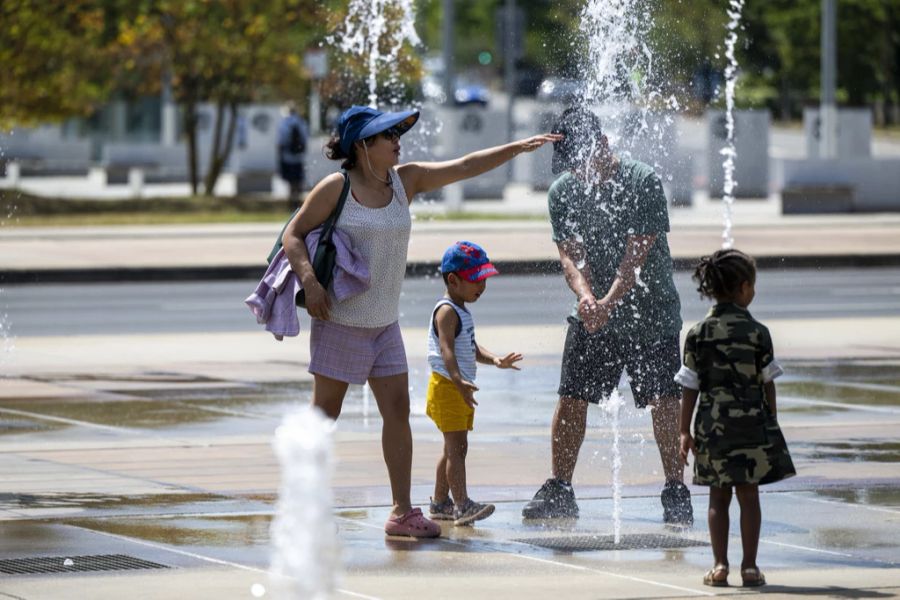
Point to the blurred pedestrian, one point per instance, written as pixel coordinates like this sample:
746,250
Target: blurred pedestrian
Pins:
729,364
609,218
293,135
358,340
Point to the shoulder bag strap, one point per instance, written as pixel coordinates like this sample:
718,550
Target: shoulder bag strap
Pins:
330,222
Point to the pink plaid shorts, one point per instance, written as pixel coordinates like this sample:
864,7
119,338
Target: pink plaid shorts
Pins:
354,354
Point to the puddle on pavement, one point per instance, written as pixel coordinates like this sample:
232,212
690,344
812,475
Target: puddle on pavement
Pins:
887,451
846,538
838,392
157,409
153,504
881,372
241,531
12,425
525,399
886,496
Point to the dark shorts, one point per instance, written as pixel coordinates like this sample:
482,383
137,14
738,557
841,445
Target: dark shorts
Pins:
292,172
593,362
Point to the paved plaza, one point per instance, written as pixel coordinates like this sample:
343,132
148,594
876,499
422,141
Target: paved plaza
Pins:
157,446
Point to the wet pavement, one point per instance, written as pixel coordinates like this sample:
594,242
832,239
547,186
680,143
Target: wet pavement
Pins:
176,468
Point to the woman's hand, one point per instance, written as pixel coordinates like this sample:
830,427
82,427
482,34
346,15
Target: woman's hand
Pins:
317,303
534,142
687,446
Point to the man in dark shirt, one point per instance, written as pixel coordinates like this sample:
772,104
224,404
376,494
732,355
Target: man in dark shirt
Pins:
610,219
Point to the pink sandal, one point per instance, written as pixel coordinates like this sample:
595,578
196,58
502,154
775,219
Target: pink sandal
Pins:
412,524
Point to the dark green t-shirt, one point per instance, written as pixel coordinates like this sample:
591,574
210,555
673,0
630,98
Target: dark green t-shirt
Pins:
601,219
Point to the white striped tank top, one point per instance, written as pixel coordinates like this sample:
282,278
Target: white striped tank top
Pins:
382,237
464,346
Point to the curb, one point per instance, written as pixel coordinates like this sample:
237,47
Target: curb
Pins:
413,269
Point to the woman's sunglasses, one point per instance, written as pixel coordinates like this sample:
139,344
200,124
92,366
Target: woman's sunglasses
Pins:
391,133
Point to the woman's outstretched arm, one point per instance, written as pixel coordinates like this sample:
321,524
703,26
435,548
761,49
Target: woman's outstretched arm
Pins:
419,177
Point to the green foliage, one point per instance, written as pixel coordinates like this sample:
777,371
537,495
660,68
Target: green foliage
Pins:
64,58
57,59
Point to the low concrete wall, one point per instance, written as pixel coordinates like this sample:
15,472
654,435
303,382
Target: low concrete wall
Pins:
875,182
854,132
43,151
160,163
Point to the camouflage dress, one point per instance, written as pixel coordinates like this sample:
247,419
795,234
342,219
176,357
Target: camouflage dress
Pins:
728,357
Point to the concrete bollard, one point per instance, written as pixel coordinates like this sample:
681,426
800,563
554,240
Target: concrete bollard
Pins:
453,197
136,182
13,173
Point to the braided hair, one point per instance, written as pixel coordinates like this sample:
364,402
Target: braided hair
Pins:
720,275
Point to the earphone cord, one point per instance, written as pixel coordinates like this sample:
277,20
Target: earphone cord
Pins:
371,170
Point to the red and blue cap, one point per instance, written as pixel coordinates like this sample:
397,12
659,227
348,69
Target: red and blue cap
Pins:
359,122
469,261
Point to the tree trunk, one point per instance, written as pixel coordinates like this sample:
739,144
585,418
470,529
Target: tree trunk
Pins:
220,153
190,130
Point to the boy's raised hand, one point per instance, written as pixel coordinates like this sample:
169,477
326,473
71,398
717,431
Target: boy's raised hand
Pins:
508,362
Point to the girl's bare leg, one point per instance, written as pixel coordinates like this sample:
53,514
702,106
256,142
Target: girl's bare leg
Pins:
719,501
751,521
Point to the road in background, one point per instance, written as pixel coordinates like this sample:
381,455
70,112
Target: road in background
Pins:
130,308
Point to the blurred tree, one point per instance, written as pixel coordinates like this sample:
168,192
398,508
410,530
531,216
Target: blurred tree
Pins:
229,52
58,59
550,27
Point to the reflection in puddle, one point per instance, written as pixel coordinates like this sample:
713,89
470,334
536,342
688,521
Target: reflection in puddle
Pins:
855,451
840,392
157,409
227,531
16,425
93,504
888,496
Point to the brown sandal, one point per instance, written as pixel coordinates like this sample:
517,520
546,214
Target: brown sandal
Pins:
717,576
752,577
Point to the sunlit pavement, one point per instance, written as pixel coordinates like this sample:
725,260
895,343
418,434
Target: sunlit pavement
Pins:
158,446
168,459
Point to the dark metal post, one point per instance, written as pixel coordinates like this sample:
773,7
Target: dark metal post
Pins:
827,102
509,72
448,49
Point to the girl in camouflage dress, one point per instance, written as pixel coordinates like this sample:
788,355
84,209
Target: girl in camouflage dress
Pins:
729,365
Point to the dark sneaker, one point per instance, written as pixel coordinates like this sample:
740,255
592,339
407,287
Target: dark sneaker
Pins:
445,511
676,501
472,511
554,500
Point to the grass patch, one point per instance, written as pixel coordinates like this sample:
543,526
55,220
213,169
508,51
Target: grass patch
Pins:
24,210
480,216
144,218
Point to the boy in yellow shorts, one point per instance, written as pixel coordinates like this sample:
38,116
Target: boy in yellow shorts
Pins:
452,355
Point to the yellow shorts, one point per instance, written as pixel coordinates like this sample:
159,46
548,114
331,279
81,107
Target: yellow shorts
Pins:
446,407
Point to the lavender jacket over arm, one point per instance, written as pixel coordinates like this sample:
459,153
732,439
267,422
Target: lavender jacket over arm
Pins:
273,301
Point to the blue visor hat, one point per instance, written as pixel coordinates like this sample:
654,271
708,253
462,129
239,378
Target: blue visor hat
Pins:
359,122
469,261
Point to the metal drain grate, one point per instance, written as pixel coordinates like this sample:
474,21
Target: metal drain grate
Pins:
67,564
636,541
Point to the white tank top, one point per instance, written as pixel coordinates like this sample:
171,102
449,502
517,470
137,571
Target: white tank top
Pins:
382,237
464,346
